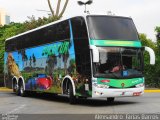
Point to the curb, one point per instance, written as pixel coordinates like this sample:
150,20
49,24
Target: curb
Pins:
3,89
152,91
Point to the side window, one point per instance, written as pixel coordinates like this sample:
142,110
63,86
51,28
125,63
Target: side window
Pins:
56,32
62,30
49,34
81,44
83,63
11,45
19,43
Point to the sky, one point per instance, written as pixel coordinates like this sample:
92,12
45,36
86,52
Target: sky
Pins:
145,13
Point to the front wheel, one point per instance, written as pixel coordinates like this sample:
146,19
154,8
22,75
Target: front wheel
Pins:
72,98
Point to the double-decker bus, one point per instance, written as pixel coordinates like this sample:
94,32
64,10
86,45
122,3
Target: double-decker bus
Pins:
83,56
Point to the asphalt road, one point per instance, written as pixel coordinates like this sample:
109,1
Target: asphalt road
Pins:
48,104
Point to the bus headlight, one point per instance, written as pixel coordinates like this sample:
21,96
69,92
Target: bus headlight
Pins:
102,86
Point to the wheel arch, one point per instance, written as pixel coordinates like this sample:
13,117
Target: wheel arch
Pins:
65,79
14,79
21,79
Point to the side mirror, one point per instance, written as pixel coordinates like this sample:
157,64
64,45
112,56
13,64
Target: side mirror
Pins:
151,54
95,53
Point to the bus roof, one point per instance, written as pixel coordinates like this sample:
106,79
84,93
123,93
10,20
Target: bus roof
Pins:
54,22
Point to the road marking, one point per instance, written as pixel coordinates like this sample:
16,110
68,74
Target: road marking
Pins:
17,109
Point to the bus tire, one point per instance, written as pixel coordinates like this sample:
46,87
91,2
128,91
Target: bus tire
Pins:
21,91
15,87
110,99
72,98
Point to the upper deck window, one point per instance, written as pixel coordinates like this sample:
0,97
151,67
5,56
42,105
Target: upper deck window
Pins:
49,34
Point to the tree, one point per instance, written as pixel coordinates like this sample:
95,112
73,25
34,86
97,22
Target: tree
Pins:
151,72
6,31
147,42
57,14
157,29
30,61
34,60
64,53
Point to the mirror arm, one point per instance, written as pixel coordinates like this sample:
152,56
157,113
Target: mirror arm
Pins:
95,53
151,54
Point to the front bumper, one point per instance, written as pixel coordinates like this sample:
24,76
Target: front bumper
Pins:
101,92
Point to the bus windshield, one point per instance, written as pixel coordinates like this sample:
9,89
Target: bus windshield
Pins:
118,62
111,28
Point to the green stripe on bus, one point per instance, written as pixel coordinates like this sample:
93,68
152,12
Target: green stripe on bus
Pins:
117,83
119,43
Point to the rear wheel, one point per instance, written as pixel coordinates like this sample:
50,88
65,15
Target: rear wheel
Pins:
110,99
15,87
72,98
21,91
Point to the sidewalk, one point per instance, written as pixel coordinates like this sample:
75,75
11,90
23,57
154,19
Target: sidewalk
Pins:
147,90
4,89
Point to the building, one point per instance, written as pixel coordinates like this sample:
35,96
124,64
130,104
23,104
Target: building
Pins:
4,17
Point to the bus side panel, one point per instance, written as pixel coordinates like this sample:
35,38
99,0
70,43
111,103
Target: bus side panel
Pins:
45,66
42,67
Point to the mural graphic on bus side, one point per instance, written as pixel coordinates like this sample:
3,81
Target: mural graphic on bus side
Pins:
12,66
44,67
